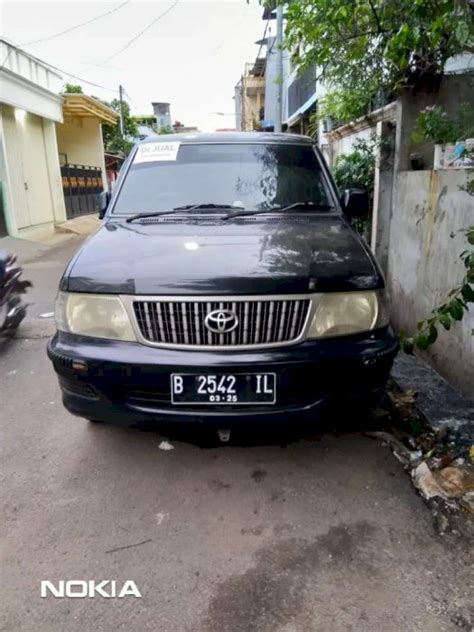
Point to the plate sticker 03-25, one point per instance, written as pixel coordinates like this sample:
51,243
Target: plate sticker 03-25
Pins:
153,152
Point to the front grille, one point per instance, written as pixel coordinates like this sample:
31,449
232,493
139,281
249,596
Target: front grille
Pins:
260,322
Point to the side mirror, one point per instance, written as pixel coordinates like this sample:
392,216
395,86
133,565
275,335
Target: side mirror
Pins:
104,202
355,202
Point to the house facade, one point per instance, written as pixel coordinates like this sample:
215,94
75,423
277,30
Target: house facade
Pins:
52,165
81,152
249,95
30,177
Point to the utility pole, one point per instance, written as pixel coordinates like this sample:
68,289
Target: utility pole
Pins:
122,131
242,105
279,45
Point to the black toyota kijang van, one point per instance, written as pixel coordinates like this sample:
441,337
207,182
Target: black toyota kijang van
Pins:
226,285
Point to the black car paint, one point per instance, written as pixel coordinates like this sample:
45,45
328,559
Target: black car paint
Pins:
241,256
298,253
131,382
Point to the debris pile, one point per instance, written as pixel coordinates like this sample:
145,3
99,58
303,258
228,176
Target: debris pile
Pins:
440,460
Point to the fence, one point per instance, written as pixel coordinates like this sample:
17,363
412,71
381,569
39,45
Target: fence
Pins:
82,186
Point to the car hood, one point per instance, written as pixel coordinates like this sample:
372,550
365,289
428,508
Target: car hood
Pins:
270,255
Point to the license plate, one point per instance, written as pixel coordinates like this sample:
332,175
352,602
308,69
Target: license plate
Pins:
235,388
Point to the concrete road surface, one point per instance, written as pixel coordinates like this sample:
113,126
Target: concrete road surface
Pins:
266,534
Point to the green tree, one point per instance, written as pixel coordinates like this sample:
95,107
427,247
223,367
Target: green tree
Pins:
72,88
356,170
374,48
113,141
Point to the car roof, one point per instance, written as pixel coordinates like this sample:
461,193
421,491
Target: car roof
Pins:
231,137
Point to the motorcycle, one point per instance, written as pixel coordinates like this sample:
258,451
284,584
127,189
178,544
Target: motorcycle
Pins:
12,309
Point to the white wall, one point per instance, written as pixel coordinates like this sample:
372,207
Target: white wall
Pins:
28,83
429,211
81,140
31,171
346,144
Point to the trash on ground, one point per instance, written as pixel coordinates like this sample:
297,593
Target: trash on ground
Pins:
450,482
166,445
467,501
439,460
400,450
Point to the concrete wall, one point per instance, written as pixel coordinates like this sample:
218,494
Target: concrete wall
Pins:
81,140
424,265
345,144
342,140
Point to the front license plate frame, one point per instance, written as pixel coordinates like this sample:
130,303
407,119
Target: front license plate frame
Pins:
267,398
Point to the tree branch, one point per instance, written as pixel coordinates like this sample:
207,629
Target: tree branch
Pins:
377,19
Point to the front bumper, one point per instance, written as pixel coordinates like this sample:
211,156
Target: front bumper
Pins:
129,383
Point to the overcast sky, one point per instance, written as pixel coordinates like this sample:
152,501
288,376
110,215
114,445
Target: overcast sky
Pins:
192,57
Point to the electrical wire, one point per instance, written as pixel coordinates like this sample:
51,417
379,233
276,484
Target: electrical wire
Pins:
90,83
138,35
263,37
72,28
77,26
65,72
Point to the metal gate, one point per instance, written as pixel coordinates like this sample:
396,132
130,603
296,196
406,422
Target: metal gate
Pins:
82,186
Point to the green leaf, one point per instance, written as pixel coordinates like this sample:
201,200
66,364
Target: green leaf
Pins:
467,293
469,261
445,320
433,335
462,32
422,343
470,237
456,309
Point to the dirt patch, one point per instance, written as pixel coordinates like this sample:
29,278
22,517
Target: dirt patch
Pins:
258,475
272,593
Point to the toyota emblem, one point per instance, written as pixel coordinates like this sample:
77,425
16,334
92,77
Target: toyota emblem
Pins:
221,321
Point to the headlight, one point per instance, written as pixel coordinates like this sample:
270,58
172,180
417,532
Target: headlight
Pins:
343,313
100,316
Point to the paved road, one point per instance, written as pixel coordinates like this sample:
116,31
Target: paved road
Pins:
324,534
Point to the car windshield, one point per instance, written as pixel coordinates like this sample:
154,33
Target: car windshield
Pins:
241,176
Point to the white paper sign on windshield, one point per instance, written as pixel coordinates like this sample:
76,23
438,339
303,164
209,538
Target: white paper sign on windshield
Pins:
153,152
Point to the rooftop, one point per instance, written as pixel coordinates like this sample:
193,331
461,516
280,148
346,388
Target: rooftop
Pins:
84,106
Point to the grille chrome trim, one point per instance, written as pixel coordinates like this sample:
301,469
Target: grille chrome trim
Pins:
265,321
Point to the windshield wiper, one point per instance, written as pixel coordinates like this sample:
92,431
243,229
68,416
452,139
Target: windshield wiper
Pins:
191,207
187,208
145,215
280,209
